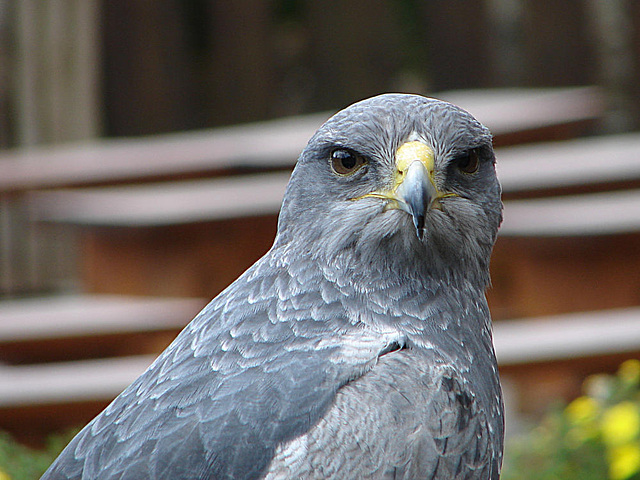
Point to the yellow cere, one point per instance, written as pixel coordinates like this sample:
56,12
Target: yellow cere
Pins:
409,153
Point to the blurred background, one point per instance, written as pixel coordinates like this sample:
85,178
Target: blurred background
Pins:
145,146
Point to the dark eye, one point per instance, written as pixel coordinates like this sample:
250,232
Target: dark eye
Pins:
345,162
468,162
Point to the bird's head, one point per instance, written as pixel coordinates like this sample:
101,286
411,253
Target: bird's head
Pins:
397,178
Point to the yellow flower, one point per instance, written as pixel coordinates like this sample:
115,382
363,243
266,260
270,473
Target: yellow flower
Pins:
582,410
621,423
4,476
624,461
629,371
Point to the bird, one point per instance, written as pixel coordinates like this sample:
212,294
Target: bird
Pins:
359,346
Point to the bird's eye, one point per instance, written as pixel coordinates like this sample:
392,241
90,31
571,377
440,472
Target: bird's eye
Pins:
345,162
468,162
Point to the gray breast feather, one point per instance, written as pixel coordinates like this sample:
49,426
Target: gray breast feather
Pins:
407,418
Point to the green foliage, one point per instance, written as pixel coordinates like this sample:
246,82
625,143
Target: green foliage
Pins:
595,437
18,462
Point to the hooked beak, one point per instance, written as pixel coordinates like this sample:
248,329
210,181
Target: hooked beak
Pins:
413,190
416,194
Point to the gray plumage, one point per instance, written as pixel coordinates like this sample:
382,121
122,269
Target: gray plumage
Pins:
354,348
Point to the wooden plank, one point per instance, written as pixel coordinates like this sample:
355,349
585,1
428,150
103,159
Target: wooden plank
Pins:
274,144
78,327
580,164
516,110
268,145
545,360
174,203
563,337
605,213
66,382
88,315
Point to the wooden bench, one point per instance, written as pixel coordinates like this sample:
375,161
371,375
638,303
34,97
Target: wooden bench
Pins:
178,238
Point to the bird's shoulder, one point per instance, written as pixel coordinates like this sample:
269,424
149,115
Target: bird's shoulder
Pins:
260,365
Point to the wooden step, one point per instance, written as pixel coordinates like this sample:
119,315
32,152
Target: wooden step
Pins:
69,382
88,326
574,166
566,337
605,213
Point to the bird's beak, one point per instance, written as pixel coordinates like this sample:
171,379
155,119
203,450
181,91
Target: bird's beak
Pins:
413,190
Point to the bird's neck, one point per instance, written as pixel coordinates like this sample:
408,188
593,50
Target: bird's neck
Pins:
390,285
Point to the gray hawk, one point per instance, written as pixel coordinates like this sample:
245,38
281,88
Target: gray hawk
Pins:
359,346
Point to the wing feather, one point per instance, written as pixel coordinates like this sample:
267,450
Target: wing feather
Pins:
238,381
